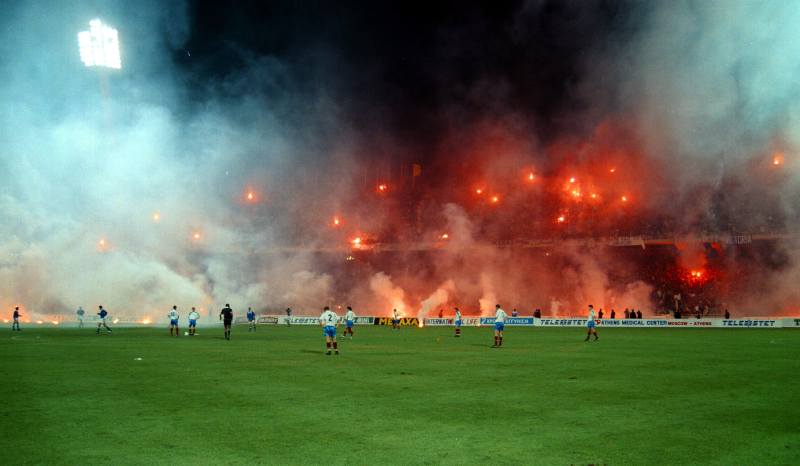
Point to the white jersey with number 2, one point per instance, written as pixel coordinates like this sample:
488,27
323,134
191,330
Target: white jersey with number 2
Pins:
329,318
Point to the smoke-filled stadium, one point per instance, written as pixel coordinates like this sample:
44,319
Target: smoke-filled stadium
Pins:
405,164
543,154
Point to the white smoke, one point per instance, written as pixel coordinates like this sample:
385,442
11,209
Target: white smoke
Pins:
390,296
439,297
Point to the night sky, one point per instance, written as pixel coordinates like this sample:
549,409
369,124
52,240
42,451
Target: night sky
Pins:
411,63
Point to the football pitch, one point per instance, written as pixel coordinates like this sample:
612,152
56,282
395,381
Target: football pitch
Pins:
414,396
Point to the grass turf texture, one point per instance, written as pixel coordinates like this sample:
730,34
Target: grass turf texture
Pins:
417,396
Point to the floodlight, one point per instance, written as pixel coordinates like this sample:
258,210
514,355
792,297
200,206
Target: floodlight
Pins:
99,46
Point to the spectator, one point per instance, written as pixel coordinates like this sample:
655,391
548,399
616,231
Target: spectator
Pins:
514,312
627,313
600,314
441,313
613,314
638,314
727,314
537,313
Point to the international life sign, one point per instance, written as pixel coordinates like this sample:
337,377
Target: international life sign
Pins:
509,321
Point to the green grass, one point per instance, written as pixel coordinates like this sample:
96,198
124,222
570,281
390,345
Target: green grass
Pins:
418,396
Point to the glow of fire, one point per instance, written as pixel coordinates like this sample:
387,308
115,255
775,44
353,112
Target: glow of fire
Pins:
593,196
54,322
336,221
101,243
479,191
381,187
445,236
624,198
576,193
146,320
5,321
356,242
420,324
116,321
572,179
39,322
561,219
530,176
156,216
196,235
612,170
495,199
777,159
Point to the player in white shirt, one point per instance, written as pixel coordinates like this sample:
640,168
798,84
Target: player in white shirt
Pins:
457,322
328,321
80,313
173,321
395,320
193,316
591,325
349,319
499,325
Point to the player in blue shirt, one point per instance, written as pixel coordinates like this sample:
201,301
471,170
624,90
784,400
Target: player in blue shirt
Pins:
17,315
103,313
251,318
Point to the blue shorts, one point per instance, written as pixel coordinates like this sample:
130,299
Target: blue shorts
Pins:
395,321
591,324
173,322
499,326
458,323
349,323
192,323
250,320
329,331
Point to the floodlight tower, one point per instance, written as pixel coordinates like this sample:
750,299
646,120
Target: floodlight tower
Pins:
99,46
